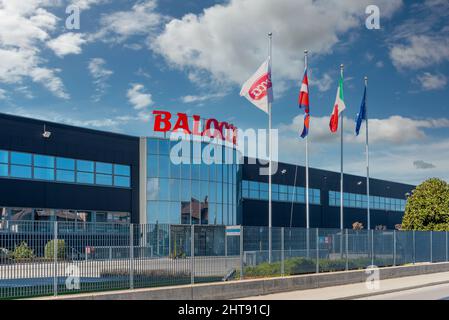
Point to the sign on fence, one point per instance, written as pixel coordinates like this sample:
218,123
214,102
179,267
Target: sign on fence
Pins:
233,230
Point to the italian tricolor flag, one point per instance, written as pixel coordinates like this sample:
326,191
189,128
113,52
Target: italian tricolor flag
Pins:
339,106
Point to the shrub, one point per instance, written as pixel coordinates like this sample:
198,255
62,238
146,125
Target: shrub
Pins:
22,252
357,226
49,249
145,274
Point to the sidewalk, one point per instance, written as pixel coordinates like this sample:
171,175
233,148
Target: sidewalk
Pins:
359,290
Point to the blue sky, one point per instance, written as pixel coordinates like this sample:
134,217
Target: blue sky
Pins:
130,57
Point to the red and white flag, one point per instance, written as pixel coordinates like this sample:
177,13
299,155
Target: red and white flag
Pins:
258,89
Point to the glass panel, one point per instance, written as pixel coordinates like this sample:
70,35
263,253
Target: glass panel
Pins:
44,174
104,179
164,147
21,172
65,176
3,156
3,170
84,177
44,161
174,189
152,170
21,158
164,189
102,167
185,190
122,170
152,146
65,163
164,162
152,209
83,165
120,181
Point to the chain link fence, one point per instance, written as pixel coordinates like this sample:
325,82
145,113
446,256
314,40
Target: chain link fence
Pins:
55,258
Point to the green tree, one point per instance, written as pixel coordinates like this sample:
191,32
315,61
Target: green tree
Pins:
428,207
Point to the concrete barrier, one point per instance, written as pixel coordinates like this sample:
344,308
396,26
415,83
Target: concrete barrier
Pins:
254,287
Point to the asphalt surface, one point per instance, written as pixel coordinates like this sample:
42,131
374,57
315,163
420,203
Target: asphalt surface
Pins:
438,292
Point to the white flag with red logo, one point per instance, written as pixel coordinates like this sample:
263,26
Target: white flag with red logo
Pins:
258,89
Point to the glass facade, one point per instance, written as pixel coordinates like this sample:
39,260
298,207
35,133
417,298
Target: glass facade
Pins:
259,191
353,200
29,166
194,191
61,215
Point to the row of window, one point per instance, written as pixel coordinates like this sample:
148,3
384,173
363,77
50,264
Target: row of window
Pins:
184,190
353,200
49,168
191,212
62,215
188,150
161,166
259,191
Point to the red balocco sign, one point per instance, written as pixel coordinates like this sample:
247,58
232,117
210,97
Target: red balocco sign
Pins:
212,128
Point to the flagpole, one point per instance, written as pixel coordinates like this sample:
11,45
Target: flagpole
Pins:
307,176
367,156
307,161
269,160
341,160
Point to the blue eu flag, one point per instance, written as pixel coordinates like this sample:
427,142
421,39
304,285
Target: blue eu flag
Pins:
361,115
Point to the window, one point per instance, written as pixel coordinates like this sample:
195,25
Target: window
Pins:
103,179
3,156
21,172
44,174
65,176
85,177
44,161
105,168
86,166
66,164
120,181
19,158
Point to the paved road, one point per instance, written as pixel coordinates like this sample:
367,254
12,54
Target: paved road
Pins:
439,292
431,287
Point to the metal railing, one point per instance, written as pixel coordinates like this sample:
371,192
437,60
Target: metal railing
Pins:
54,258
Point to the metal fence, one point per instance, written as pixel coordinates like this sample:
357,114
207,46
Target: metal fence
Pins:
54,258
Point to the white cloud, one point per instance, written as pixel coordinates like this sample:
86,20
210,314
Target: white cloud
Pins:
202,98
67,43
2,94
323,84
396,145
142,19
229,40
49,80
138,97
395,130
86,4
100,74
420,51
430,81
24,28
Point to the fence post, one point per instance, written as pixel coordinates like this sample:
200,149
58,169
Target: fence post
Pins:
241,253
347,258
131,256
55,259
431,246
394,247
282,252
446,246
192,254
414,248
317,251
372,247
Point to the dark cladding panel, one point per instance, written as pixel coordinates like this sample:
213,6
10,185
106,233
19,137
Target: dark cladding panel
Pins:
25,135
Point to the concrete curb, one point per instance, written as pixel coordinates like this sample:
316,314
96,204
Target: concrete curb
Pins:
257,287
